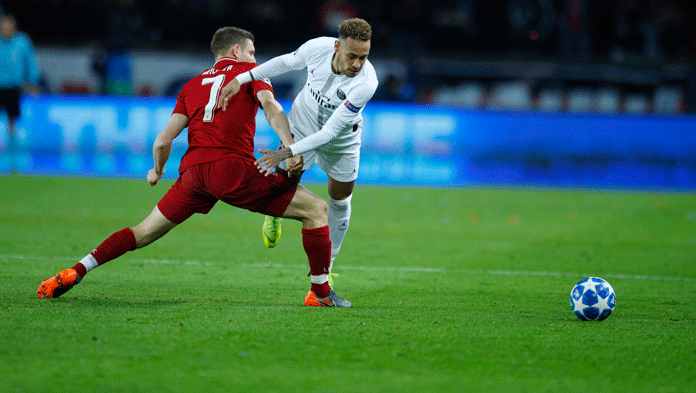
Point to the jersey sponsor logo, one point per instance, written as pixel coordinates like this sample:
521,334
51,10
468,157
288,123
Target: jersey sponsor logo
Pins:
351,107
321,99
341,95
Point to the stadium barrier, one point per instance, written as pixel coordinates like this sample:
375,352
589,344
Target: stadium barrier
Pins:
403,144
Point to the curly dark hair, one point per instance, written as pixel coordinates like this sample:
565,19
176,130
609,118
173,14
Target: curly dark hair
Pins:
356,28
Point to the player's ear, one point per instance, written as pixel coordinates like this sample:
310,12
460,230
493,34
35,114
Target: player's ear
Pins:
337,45
235,50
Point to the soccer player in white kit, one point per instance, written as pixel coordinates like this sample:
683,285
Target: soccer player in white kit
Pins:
325,119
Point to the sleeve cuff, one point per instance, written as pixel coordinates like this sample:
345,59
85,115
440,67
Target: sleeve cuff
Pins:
243,78
292,150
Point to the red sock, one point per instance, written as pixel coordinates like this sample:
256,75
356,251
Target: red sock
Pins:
80,268
317,245
114,246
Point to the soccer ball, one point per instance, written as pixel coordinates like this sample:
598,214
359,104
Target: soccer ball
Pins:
592,299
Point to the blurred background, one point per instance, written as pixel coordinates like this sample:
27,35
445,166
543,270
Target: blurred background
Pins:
633,56
557,92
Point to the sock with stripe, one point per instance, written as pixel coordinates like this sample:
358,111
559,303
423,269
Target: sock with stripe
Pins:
113,247
317,245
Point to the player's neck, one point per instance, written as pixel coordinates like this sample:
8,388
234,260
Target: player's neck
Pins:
334,64
225,58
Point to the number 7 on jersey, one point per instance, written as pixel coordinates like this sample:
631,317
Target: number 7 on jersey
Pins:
214,91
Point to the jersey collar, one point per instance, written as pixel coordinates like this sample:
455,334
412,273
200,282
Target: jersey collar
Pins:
226,59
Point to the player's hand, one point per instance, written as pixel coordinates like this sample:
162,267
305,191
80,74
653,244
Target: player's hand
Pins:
227,92
271,159
295,165
153,177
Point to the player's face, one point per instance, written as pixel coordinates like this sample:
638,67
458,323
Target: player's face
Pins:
246,52
351,55
7,28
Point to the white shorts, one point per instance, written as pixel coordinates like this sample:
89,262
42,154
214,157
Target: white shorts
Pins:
340,163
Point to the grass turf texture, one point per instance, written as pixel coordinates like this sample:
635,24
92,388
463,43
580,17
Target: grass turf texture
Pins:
455,290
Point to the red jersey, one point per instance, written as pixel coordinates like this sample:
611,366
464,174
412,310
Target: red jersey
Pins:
214,134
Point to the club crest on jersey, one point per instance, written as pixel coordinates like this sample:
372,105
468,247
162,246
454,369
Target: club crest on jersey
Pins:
341,95
267,81
351,107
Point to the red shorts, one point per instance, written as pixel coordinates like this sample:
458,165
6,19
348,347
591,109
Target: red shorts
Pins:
234,181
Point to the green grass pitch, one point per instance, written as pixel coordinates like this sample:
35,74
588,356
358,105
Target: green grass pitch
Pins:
454,289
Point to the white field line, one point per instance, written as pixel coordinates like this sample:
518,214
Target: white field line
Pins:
364,268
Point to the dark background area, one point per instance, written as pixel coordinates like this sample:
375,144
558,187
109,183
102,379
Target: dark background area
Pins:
641,31
628,46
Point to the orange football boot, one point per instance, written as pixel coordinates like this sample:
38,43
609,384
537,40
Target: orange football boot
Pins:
59,284
333,300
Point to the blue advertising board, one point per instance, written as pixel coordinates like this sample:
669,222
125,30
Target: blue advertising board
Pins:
403,144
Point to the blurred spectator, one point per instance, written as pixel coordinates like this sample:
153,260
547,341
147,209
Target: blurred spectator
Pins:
395,89
673,31
333,12
575,26
126,28
19,70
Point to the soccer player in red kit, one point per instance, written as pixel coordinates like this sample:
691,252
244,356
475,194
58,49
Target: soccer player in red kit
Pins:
219,164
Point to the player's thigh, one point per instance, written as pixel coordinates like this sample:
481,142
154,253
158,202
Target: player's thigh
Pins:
306,205
342,165
153,227
238,183
187,196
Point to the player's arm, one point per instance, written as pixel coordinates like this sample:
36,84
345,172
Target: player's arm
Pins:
279,122
163,146
343,118
276,116
274,67
33,73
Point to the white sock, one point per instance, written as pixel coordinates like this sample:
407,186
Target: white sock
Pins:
339,220
89,262
319,279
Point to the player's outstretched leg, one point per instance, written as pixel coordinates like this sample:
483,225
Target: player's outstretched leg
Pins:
271,231
113,247
152,228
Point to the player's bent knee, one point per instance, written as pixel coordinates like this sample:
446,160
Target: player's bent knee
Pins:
319,212
308,208
323,210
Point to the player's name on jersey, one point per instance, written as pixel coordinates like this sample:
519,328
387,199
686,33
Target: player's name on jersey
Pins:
214,71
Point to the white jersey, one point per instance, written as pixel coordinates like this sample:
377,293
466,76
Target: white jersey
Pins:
328,110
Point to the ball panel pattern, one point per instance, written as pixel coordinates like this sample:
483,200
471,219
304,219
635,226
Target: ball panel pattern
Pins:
592,299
